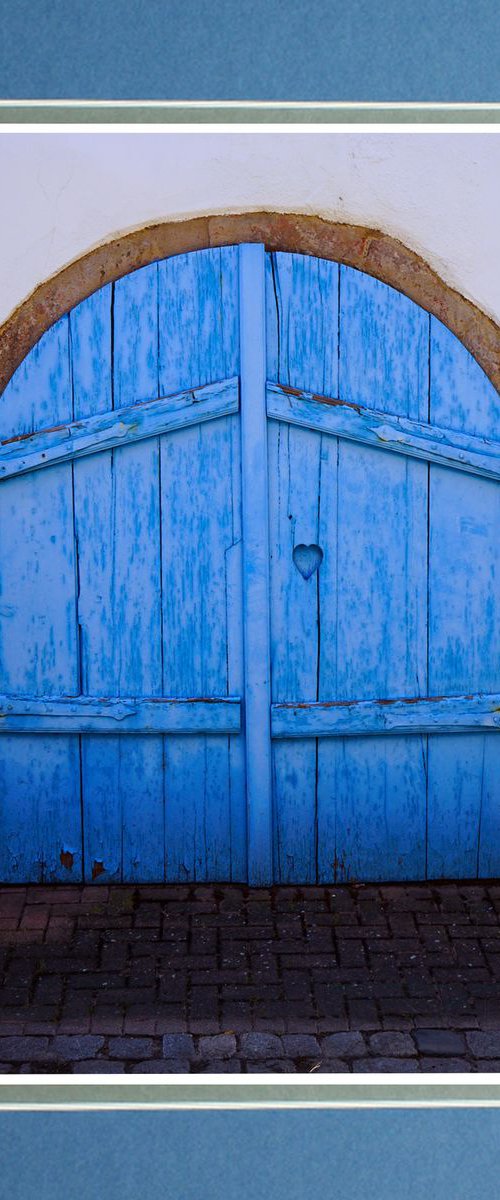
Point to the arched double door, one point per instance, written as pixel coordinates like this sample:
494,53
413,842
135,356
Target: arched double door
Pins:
250,584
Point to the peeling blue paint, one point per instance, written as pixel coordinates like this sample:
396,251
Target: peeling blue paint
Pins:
239,648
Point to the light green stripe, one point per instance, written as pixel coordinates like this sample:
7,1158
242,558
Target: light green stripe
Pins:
193,1094
12,112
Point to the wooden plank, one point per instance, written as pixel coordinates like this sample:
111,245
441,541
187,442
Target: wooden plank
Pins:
255,502
444,714
381,595
488,856
91,341
474,455
77,439
40,779
329,759
464,614
295,459
40,390
98,714
457,785
201,588
40,809
462,396
235,661
120,592
137,576
302,300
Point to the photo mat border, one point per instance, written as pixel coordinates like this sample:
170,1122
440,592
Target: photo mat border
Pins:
66,1092
222,112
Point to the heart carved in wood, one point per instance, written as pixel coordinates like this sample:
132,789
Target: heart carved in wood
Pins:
307,559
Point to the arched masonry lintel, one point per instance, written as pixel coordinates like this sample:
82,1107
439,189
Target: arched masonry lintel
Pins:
368,250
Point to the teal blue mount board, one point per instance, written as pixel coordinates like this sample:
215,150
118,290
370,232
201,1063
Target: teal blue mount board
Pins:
384,1154
250,575
354,50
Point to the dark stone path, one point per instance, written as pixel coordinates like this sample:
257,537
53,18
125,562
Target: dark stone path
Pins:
201,978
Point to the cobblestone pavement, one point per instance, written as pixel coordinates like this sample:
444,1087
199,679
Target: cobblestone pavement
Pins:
204,979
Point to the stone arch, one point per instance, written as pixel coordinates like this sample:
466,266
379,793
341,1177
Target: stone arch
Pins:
369,250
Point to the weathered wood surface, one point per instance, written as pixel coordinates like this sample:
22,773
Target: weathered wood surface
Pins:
255,524
371,791
200,473
40,813
132,569
344,631
102,576
474,455
99,715
448,714
31,452
464,619
302,350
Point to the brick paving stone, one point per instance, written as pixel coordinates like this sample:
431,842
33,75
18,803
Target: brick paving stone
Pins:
487,1019
457,1020
392,1044
440,1042
484,1044
204,1025
239,1017
300,1045
221,1045
147,1026
305,1024
111,1023
14,1025
136,963
178,1045
130,1047
34,918
260,1045
22,1049
73,1048
363,1014
34,1027
271,1023
344,1045
332,1025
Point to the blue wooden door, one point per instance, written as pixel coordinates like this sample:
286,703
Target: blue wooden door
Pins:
121,585
385,520
250,588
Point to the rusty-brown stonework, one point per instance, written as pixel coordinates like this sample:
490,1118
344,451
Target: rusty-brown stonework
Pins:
369,250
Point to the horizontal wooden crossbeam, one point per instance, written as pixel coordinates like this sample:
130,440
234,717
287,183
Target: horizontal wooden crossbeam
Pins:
119,427
475,455
92,714
434,714
95,714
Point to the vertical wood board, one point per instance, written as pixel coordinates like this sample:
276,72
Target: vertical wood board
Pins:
40,788
302,345
204,782
464,613
378,814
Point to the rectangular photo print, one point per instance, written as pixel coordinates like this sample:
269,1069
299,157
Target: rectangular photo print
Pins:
250,601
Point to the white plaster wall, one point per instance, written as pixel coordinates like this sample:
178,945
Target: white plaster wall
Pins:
64,192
